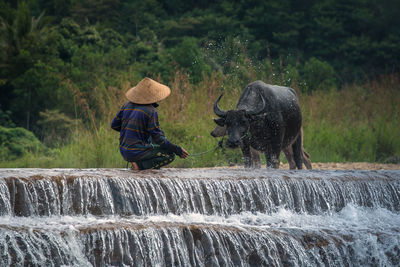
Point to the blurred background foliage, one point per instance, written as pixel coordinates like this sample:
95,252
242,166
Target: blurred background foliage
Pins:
65,65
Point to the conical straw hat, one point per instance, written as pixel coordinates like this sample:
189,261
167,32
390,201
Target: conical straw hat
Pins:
147,91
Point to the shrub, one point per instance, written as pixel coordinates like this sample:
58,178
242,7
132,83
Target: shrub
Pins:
319,75
16,142
56,127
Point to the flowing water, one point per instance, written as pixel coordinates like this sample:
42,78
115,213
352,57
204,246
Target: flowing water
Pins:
199,217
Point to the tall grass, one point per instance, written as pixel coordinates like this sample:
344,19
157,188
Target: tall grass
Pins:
356,123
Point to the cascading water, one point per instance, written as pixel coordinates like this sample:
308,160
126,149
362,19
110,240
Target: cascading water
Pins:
199,217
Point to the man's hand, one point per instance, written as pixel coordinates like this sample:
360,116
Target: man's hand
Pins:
184,153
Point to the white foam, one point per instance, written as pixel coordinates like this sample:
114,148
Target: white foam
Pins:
352,218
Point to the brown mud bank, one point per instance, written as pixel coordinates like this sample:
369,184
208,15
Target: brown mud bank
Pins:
342,166
350,166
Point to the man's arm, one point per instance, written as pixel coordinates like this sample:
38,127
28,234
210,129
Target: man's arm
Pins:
159,138
117,121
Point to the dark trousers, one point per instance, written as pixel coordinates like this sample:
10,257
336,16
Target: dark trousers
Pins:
157,158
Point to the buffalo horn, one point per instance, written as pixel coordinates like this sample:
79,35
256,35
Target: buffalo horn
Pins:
257,111
217,110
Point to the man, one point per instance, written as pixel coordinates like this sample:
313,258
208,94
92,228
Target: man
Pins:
141,141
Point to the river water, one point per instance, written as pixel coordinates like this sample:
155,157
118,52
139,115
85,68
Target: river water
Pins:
199,217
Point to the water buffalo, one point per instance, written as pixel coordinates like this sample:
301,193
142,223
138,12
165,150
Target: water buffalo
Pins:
220,131
267,118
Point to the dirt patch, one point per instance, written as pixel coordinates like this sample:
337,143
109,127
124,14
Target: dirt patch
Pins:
349,166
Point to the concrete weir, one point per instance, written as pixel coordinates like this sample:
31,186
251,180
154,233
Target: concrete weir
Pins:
199,217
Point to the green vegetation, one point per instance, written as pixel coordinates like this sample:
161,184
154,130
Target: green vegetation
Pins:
17,142
357,123
65,65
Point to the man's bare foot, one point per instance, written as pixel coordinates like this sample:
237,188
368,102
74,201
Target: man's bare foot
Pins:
135,167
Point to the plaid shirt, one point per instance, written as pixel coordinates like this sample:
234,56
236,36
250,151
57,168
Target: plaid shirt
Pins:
139,127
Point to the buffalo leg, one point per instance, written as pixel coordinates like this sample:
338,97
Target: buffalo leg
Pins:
246,155
306,156
289,157
268,158
307,160
298,152
272,160
255,158
272,156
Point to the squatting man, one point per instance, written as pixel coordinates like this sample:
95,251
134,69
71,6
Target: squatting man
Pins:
141,141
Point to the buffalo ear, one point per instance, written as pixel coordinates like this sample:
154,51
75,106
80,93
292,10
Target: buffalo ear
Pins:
220,121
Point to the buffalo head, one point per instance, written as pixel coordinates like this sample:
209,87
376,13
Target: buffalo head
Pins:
237,122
